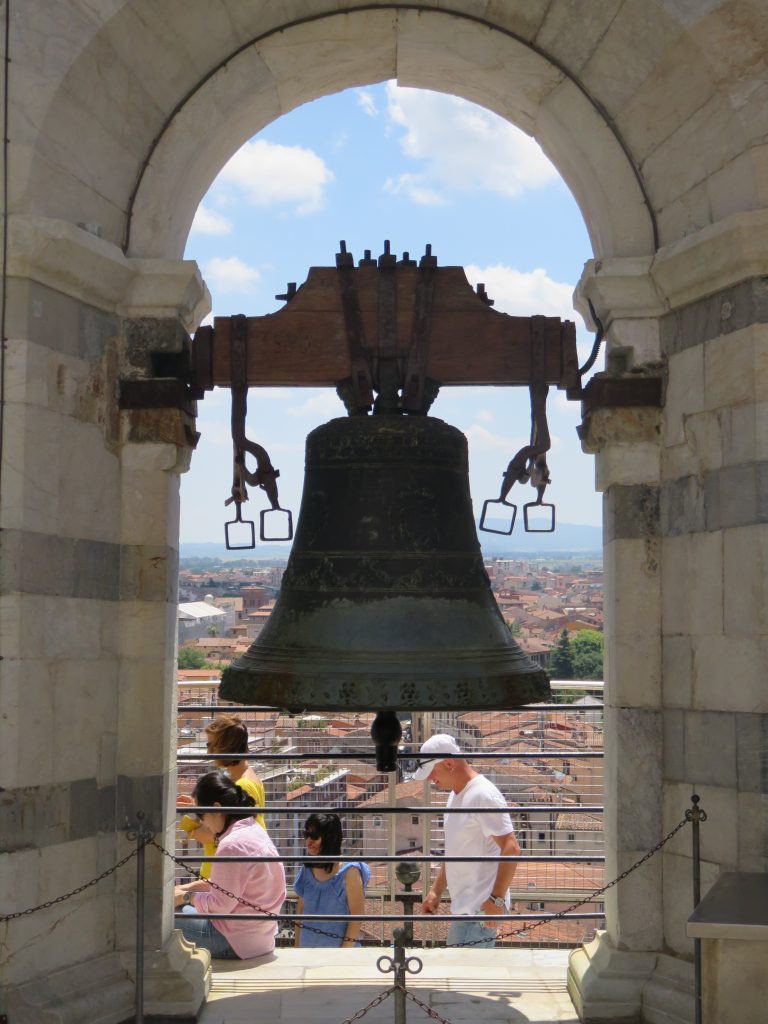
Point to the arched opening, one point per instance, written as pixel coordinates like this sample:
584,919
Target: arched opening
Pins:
415,166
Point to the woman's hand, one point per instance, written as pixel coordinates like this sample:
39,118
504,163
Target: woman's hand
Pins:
203,835
183,800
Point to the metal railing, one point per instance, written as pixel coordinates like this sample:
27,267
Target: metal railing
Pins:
546,759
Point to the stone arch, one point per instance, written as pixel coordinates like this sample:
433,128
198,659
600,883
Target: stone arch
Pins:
432,49
609,107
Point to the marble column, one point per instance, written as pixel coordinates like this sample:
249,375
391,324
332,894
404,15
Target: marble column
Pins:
88,605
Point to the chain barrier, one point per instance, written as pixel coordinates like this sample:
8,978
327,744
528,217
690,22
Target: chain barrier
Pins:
277,918
399,987
592,896
427,1009
75,892
374,1002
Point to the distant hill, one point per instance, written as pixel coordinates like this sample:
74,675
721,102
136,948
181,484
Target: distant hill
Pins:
568,538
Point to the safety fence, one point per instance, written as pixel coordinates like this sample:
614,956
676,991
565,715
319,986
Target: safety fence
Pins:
399,965
547,761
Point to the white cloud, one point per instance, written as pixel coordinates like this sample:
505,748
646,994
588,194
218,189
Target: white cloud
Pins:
412,185
482,440
321,405
230,274
367,103
271,175
465,147
522,293
209,222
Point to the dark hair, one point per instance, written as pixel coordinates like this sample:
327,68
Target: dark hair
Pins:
328,828
219,788
227,734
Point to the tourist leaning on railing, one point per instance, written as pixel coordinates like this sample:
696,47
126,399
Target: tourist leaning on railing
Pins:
260,884
331,888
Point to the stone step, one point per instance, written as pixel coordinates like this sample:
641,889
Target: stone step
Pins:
99,992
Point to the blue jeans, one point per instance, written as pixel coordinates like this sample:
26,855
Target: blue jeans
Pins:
203,933
462,933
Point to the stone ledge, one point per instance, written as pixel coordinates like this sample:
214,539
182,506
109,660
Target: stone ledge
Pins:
73,261
736,907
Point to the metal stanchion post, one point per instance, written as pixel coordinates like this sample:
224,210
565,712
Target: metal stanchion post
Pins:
695,815
399,969
399,966
141,833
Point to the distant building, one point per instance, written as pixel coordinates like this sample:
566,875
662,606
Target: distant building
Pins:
197,619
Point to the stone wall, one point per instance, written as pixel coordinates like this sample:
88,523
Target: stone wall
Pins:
89,568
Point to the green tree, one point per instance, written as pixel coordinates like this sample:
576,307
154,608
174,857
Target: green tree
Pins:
515,628
192,657
587,649
561,660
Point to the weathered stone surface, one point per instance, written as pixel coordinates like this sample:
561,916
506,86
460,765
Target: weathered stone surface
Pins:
146,337
149,573
685,392
705,732
729,673
737,496
625,429
745,568
38,563
682,507
730,310
692,584
631,513
752,763
677,671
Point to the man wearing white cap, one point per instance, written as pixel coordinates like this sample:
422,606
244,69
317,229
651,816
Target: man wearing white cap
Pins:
475,887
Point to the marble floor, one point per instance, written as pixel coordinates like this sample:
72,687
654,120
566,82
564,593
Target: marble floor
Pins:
316,986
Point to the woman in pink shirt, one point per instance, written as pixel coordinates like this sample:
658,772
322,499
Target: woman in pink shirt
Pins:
261,885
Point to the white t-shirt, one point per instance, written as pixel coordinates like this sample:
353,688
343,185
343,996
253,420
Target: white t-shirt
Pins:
471,835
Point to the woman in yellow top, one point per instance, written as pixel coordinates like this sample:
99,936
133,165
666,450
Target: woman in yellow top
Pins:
227,734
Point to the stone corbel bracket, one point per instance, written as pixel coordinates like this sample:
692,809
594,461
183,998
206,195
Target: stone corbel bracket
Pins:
605,392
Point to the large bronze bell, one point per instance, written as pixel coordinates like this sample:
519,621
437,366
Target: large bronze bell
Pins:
385,603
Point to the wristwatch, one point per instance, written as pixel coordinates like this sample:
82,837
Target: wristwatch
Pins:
186,899
498,901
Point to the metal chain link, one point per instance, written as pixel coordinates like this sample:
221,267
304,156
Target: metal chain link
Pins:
427,1009
75,892
374,1002
587,899
241,899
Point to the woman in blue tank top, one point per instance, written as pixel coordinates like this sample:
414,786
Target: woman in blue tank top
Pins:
329,888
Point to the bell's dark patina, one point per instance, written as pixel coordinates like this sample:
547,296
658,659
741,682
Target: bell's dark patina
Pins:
385,603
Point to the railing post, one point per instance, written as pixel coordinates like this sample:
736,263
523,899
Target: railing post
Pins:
399,966
695,815
141,833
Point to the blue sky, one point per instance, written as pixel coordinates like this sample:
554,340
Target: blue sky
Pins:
413,167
